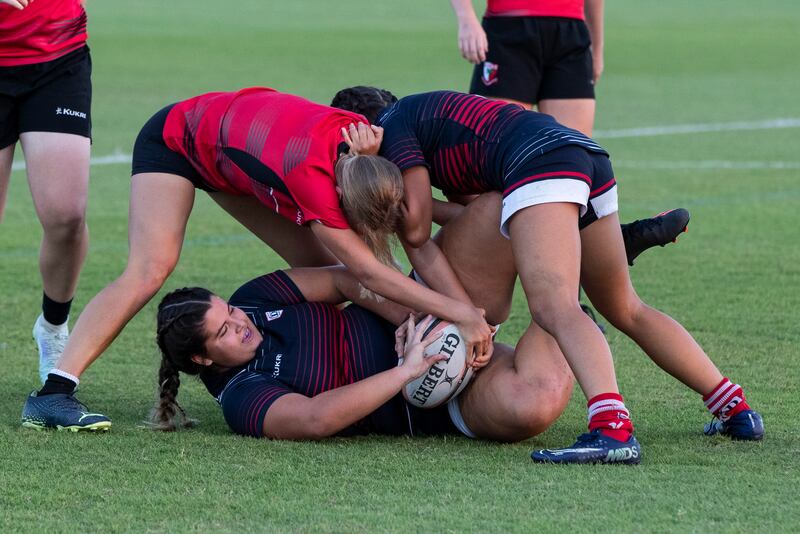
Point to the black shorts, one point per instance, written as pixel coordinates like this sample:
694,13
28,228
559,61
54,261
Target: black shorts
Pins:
151,154
567,174
54,96
535,58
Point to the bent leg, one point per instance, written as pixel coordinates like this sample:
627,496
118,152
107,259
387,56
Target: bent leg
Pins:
576,113
58,176
546,246
295,244
605,278
480,256
159,209
521,392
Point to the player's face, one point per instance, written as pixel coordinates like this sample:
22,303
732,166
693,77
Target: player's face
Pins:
231,337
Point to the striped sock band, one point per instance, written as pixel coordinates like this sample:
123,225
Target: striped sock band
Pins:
725,400
607,412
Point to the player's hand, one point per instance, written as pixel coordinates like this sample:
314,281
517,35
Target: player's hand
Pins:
597,65
472,40
414,361
478,338
19,4
363,139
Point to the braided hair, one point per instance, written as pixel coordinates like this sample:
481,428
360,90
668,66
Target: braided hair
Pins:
179,335
368,101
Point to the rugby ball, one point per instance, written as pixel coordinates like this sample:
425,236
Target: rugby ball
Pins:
445,379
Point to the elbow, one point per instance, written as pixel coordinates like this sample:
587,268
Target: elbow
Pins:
319,428
417,237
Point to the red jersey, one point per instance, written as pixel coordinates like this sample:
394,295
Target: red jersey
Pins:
258,142
43,31
571,9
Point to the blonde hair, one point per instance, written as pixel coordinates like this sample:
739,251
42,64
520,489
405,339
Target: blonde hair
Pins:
372,194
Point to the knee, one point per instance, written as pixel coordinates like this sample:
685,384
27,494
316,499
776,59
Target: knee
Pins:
625,313
554,316
65,223
537,406
147,277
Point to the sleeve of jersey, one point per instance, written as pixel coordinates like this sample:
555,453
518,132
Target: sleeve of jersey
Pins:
313,189
247,400
400,144
273,289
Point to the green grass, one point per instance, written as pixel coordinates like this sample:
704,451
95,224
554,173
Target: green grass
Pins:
734,281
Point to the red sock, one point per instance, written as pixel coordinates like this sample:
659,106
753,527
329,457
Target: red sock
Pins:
608,413
726,400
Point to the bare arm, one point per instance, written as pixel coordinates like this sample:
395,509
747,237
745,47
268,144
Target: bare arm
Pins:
295,416
471,38
444,212
389,283
336,285
593,10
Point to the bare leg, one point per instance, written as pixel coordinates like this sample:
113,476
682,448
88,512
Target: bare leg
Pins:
295,244
480,256
605,278
521,392
58,175
546,246
576,113
159,209
6,159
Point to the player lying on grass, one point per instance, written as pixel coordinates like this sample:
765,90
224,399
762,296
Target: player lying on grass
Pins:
274,162
560,214
270,160
282,366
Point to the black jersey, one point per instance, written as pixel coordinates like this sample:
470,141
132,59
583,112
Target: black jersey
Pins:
470,144
309,348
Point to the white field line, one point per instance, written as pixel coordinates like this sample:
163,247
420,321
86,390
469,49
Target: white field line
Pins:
707,165
650,131
647,131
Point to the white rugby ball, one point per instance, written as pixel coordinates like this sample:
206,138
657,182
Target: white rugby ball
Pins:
445,379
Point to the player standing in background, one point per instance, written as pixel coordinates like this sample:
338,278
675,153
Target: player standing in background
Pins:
45,104
276,163
547,53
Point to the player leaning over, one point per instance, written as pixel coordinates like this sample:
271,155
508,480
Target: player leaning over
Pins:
272,160
560,213
284,362
45,100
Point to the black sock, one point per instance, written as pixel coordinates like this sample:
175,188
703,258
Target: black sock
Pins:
55,312
57,384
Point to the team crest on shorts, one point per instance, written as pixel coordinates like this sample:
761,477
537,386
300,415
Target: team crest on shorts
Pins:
489,76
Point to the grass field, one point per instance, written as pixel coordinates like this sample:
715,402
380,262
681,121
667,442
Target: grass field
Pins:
734,281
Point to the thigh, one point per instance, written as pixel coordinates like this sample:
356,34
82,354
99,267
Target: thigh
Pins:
575,113
480,256
521,392
512,69
567,72
58,173
159,210
295,244
61,99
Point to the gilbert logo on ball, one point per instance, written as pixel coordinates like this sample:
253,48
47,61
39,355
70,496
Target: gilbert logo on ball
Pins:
445,379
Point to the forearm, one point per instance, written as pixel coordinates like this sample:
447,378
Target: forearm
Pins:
431,265
593,10
339,408
352,289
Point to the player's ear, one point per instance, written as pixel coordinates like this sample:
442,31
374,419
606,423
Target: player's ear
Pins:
199,360
339,192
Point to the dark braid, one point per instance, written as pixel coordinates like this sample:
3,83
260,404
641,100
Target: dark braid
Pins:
179,335
368,101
